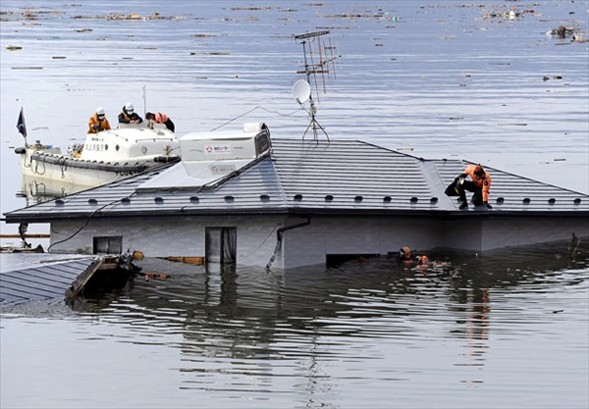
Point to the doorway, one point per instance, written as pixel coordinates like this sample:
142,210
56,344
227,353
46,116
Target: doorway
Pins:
221,245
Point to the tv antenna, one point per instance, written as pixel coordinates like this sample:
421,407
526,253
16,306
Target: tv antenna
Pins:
314,48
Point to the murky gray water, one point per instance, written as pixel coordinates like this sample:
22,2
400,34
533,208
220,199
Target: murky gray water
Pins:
508,329
436,79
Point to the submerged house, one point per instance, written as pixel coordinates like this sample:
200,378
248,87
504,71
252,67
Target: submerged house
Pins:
282,203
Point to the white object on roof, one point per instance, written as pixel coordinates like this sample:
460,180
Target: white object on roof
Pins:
210,146
210,156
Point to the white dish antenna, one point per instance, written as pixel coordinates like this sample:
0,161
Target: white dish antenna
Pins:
301,91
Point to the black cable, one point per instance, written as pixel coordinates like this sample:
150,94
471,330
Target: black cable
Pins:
252,110
84,226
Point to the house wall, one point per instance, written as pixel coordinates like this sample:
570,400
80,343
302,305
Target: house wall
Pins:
171,236
522,230
309,244
490,233
464,233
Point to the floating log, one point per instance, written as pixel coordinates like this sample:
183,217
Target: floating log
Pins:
186,260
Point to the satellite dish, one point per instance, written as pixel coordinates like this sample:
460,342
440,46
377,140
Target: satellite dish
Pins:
301,91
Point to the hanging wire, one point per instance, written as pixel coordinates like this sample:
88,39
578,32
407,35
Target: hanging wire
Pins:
254,109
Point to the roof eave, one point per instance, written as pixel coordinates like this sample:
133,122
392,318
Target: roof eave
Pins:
307,211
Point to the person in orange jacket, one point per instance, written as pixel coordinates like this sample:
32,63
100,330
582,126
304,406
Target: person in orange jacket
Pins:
406,256
160,118
411,262
98,121
480,185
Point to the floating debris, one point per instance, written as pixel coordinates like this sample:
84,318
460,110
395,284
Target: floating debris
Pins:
253,8
105,272
150,276
196,260
562,32
21,249
210,53
134,16
203,35
13,47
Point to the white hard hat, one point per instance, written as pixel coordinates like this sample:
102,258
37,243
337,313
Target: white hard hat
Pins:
100,111
129,107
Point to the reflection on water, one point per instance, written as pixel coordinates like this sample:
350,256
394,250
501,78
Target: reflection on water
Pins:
36,190
308,335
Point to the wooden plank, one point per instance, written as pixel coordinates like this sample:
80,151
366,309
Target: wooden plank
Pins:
79,283
197,260
27,236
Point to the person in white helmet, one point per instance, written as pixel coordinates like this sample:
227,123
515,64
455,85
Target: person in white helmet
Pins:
129,116
98,121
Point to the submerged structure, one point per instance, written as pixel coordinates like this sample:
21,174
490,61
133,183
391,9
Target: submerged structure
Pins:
244,198
43,276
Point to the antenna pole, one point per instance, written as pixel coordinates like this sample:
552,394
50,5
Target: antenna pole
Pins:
316,125
321,67
144,95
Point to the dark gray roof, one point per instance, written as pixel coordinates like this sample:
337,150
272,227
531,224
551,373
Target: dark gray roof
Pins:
342,176
27,277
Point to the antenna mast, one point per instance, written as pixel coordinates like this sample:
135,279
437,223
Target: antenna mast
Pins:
313,48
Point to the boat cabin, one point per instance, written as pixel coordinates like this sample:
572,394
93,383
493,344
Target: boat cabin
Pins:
129,143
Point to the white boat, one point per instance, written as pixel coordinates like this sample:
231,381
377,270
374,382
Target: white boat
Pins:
104,157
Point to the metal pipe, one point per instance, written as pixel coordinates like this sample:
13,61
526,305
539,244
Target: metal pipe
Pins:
279,234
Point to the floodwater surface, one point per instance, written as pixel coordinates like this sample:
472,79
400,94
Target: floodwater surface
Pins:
505,330
436,79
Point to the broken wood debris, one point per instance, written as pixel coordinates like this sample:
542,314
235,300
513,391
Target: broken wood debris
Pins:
107,270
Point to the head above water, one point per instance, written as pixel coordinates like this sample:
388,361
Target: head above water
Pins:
423,260
405,253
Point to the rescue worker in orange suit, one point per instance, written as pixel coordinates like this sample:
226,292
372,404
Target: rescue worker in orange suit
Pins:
405,256
98,121
129,116
407,260
160,118
410,262
480,185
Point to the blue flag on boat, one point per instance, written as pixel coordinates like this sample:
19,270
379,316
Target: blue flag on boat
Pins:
20,125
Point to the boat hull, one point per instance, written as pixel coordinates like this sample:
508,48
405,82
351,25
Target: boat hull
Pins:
74,171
